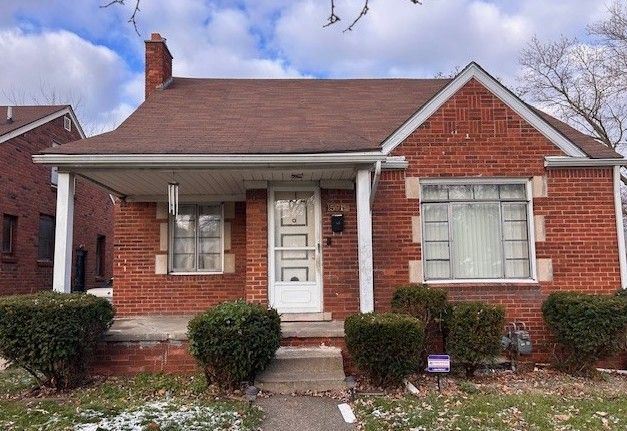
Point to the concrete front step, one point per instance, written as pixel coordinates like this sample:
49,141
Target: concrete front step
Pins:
303,369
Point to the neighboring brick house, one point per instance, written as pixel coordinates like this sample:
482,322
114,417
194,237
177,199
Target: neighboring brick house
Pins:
320,197
28,204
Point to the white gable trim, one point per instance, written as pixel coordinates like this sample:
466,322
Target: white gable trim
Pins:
40,122
473,70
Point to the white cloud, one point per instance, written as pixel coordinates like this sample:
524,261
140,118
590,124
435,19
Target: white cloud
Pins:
399,38
36,65
64,42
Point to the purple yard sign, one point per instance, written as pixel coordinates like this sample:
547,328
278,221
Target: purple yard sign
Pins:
438,363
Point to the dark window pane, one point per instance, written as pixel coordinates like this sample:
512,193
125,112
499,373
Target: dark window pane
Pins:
46,237
9,228
101,242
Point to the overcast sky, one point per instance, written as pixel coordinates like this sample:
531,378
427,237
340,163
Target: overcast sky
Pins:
93,56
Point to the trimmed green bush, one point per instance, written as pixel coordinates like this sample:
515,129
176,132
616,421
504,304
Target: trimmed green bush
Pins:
428,305
51,335
234,341
474,338
385,346
587,328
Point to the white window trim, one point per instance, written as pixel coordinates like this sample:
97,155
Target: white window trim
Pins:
533,279
171,243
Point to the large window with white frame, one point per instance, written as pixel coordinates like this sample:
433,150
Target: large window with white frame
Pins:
197,239
476,230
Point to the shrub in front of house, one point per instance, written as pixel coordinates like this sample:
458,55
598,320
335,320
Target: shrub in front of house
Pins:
385,346
234,341
51,335
587,328
428,305
475,331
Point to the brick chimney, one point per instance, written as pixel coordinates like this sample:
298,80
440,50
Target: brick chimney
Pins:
158,64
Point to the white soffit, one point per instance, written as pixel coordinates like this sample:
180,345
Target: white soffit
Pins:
473,70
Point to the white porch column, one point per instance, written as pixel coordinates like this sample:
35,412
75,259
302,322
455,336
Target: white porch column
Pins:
62,276
364,241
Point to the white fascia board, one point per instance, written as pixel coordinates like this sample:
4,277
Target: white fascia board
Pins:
473,70
76,123
573,162
203,160
40,122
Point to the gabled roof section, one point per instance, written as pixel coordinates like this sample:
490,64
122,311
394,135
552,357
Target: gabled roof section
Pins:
572,142
29,117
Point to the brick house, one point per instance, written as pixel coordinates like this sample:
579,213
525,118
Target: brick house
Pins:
28,195
319,197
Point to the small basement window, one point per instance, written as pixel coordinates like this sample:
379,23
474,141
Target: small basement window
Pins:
476,231
197,239
67,123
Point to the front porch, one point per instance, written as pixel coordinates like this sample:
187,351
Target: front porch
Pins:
159,328
267,233
159,344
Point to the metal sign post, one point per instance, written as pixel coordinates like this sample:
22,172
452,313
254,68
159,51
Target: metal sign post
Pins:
438,364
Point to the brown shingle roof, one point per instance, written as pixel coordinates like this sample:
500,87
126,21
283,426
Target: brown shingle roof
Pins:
264,116
24,115
586,143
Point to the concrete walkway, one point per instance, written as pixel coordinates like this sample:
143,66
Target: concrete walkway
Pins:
287,413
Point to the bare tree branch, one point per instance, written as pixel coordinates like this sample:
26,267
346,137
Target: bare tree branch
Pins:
574,80
362,14
333,17
133,17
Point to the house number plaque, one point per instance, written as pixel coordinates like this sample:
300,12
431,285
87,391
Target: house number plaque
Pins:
334,208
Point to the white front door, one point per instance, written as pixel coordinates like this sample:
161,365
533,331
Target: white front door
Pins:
294,240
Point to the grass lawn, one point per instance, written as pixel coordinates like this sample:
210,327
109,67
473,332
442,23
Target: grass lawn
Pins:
146,402
541,400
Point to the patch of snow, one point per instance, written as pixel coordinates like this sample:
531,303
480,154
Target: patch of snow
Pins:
166,414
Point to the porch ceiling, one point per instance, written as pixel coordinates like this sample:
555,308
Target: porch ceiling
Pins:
151,184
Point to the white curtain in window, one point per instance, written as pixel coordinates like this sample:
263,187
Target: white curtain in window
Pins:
476,235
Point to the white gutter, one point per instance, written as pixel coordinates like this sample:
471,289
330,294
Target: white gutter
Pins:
620,229
202,160
574,162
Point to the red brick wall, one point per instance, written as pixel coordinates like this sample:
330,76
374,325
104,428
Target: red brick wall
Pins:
474,134
339,256
138,290
257,246
128,359
26,192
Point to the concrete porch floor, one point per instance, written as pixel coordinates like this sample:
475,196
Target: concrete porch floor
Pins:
174,328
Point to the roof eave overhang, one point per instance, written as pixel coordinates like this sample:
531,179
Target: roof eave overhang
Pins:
200,161
581,162
67,110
